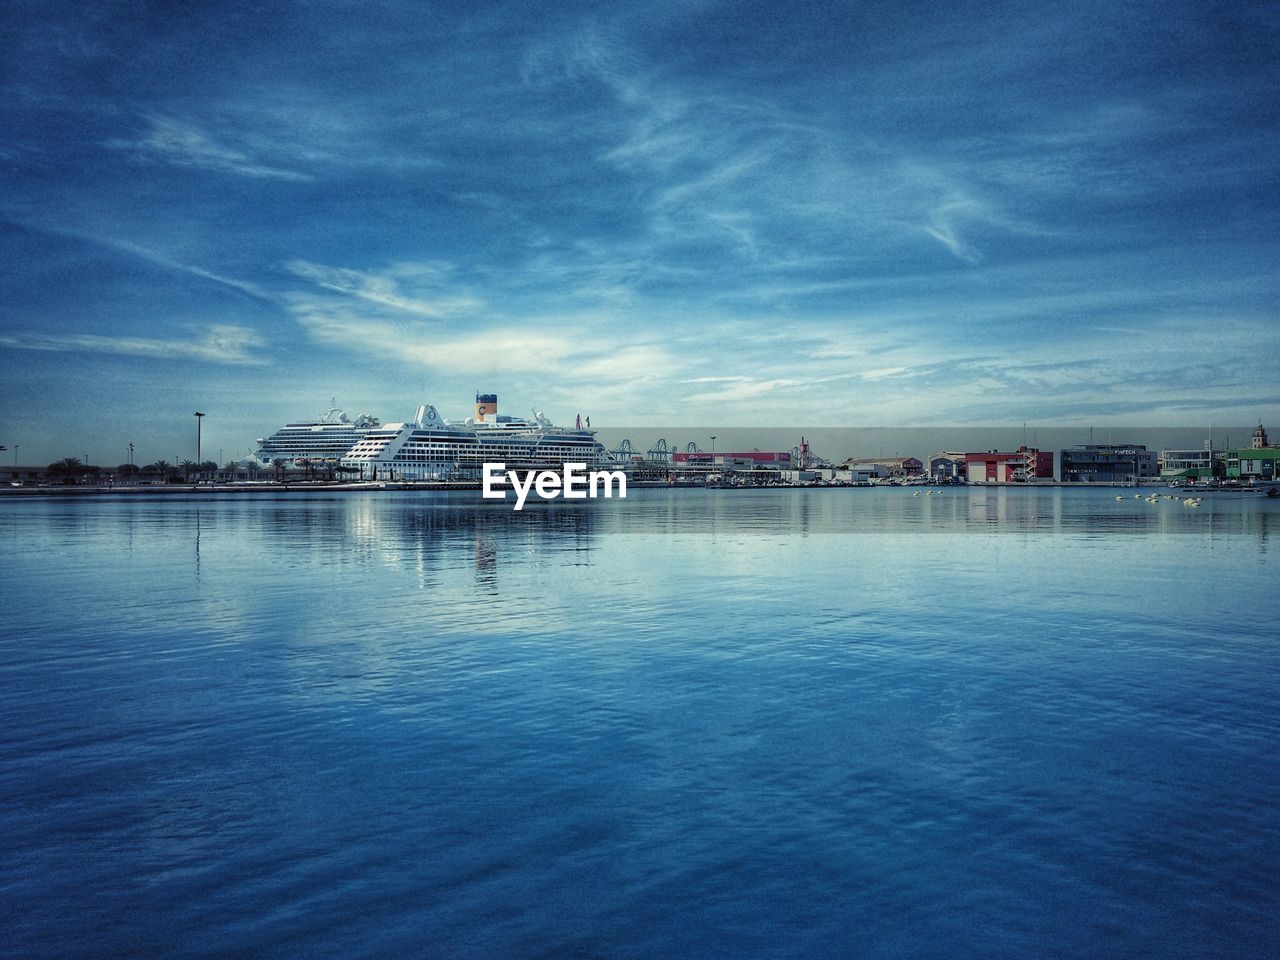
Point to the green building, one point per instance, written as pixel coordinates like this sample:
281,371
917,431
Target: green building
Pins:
1259,463
1191,464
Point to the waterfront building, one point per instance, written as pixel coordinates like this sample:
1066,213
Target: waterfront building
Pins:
893,466
1019,466
947,465
1192,464
327,438
867,471
837,475
1107,463
1260,462
1253,464
752,460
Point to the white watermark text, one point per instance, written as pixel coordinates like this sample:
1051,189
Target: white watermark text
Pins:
573,483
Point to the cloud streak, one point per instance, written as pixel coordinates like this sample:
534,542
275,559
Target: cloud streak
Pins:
182,143
385,289
219,344
151,256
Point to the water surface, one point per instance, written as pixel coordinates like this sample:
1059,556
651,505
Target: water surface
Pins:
777,723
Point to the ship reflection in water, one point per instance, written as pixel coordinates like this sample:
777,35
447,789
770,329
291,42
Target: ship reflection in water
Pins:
689,723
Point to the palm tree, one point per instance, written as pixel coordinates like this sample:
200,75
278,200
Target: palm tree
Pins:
66,468
188,467
279,467
163,467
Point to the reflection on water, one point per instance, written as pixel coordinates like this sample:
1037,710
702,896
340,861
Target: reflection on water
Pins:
690,723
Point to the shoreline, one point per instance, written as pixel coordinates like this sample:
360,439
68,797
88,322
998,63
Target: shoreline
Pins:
238,489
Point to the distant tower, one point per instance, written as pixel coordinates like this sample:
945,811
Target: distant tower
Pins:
1260,438
486,406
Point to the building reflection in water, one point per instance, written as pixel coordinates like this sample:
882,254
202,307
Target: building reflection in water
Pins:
486,564
443,533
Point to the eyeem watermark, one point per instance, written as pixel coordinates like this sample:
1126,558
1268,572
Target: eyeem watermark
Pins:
574,483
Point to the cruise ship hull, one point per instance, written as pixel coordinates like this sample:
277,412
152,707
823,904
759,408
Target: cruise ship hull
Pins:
429,448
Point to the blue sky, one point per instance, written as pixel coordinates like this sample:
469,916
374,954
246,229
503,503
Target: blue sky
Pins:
689,213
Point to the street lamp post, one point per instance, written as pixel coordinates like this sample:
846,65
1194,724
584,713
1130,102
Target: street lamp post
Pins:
199,420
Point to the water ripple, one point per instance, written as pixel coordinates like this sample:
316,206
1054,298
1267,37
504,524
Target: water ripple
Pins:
763,723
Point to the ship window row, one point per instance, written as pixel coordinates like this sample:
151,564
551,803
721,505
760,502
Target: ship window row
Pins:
464,458
494,448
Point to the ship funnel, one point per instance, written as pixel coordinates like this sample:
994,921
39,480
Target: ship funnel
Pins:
486,407
422,412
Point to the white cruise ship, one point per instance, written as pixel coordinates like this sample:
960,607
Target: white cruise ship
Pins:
325,439
432,448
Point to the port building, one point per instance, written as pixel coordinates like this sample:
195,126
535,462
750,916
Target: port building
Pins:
1107,463
1019,466
1192,464
1259,462
753,460
946,465
892,466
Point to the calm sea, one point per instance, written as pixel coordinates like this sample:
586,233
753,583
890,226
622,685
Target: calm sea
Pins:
824,723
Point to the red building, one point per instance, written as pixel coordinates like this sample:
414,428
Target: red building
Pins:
1023,464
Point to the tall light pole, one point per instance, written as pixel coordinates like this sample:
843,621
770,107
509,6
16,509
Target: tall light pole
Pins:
199,420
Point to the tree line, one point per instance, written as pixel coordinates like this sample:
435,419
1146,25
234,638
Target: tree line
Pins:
71,469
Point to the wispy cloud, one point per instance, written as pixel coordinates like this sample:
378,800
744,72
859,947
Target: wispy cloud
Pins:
159,259
386,289
220,343
494,348
147,254
182,143
944,226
